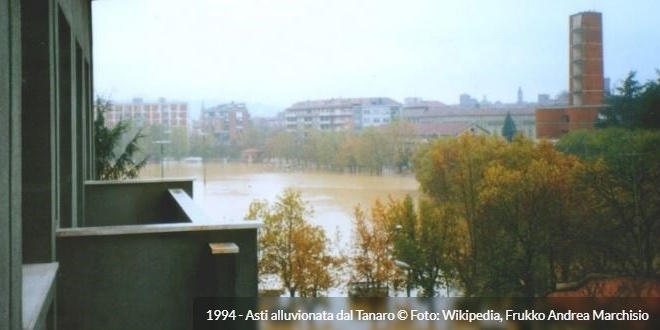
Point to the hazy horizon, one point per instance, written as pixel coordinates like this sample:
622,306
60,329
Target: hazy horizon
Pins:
258,52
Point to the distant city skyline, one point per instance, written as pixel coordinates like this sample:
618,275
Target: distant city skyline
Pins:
275,54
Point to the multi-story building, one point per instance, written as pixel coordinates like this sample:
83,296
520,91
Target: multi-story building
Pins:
226,121
377,111
433,118
82,254
586,80
341,114
467,101
142,114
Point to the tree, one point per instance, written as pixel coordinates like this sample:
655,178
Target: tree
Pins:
509,128
527,198
449,172
635,105
292,249
328,150
513,204
151,134
310,146
112,161
179,145
202,144
282,146
372,152
347,153
397,140
313,262
624,177
253,136
423,240
371,258
650,100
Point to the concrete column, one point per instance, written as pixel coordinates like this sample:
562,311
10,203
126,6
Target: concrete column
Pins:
10,165
224,258
37,139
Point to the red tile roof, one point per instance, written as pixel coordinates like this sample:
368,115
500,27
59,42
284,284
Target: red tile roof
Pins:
448,129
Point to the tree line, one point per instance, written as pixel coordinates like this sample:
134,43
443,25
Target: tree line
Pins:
497,219
367,151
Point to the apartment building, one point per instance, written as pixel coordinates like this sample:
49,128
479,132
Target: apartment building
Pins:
341,114
226,121
377,111
143,114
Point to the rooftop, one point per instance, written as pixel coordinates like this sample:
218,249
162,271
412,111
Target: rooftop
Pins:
344,103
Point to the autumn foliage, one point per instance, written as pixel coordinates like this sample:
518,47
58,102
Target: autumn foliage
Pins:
371,259
290,248
497,219
529,216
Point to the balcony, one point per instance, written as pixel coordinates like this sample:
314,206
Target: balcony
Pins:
145,252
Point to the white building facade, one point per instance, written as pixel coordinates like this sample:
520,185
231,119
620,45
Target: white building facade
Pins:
341,114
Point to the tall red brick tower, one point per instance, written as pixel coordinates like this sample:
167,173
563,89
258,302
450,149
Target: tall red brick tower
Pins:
586,79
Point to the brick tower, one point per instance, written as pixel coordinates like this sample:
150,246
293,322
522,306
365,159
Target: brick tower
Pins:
585,80
586,59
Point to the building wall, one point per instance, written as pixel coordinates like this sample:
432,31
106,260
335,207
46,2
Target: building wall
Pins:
554,122
333,117
340,114
377,115
582,117
226,122
491,119
148,280
56,120
551,122
10,163
45,84
118,203
141,114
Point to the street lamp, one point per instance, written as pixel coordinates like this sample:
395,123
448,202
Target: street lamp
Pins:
203,135
162,160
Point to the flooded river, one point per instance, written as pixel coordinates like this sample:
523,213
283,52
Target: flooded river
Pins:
225,190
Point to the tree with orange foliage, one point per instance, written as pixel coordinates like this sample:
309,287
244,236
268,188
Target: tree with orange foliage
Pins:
449,172
516,206
527,198
292,249
373,269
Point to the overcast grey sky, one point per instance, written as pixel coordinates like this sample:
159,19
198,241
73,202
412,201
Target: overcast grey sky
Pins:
280,52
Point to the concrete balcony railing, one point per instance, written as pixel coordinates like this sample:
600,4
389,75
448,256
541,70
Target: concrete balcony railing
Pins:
145,253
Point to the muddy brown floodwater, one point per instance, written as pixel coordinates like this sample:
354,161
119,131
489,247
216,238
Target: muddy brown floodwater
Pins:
225,190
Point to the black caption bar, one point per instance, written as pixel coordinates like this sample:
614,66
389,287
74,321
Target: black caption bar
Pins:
417,313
